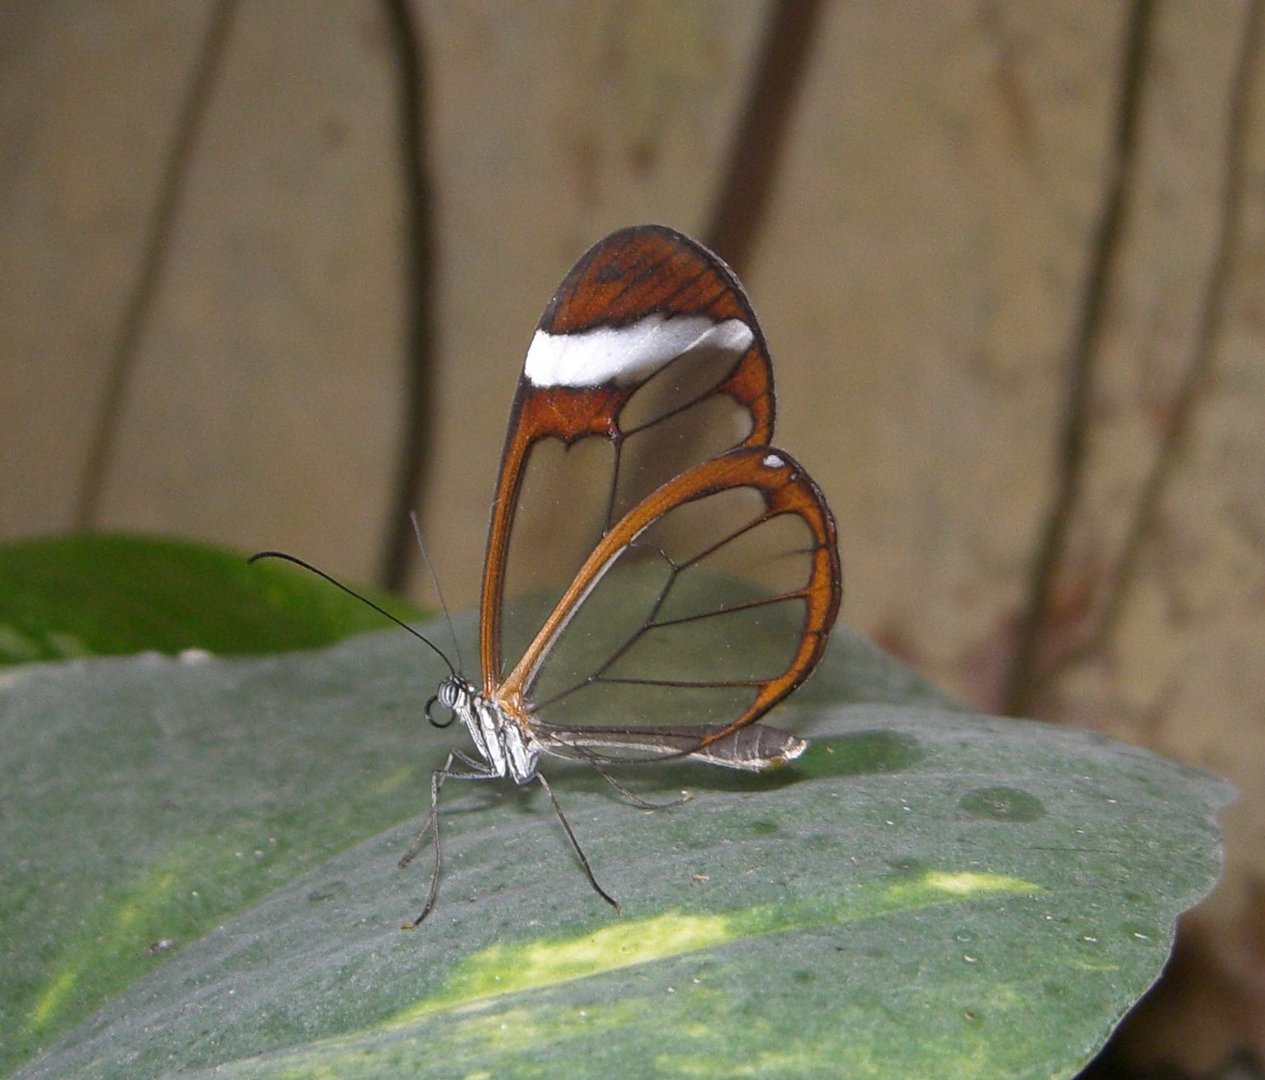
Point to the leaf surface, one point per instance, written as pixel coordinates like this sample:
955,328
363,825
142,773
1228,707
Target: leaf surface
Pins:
200,866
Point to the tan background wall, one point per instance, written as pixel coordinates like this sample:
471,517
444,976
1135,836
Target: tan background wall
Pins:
922,269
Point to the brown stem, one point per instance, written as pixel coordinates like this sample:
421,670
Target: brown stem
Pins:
1207,338
756,152
171,187
1025,673
421,354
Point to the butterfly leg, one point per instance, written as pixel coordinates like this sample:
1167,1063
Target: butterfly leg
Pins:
478,770
637,800
575,845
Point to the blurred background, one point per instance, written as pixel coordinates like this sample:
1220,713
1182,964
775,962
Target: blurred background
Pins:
270,269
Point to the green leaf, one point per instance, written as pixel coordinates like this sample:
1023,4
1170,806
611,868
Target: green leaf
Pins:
109,595
200,867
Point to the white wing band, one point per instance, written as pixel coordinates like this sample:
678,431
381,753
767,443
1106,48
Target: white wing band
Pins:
627,354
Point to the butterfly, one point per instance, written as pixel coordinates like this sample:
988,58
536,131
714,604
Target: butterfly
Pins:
701,564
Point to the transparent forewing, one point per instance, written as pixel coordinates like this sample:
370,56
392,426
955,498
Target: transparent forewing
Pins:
646,362
705,605
560,516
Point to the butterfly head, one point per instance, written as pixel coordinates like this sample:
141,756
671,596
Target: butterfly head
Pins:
456,695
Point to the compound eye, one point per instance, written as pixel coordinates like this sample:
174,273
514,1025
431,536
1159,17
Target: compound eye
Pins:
445,718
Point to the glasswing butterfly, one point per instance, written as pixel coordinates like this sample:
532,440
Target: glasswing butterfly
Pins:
702,562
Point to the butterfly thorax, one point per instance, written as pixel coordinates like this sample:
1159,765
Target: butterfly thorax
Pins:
499,738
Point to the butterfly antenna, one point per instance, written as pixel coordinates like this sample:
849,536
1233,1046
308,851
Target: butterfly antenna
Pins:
352,592
434,580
